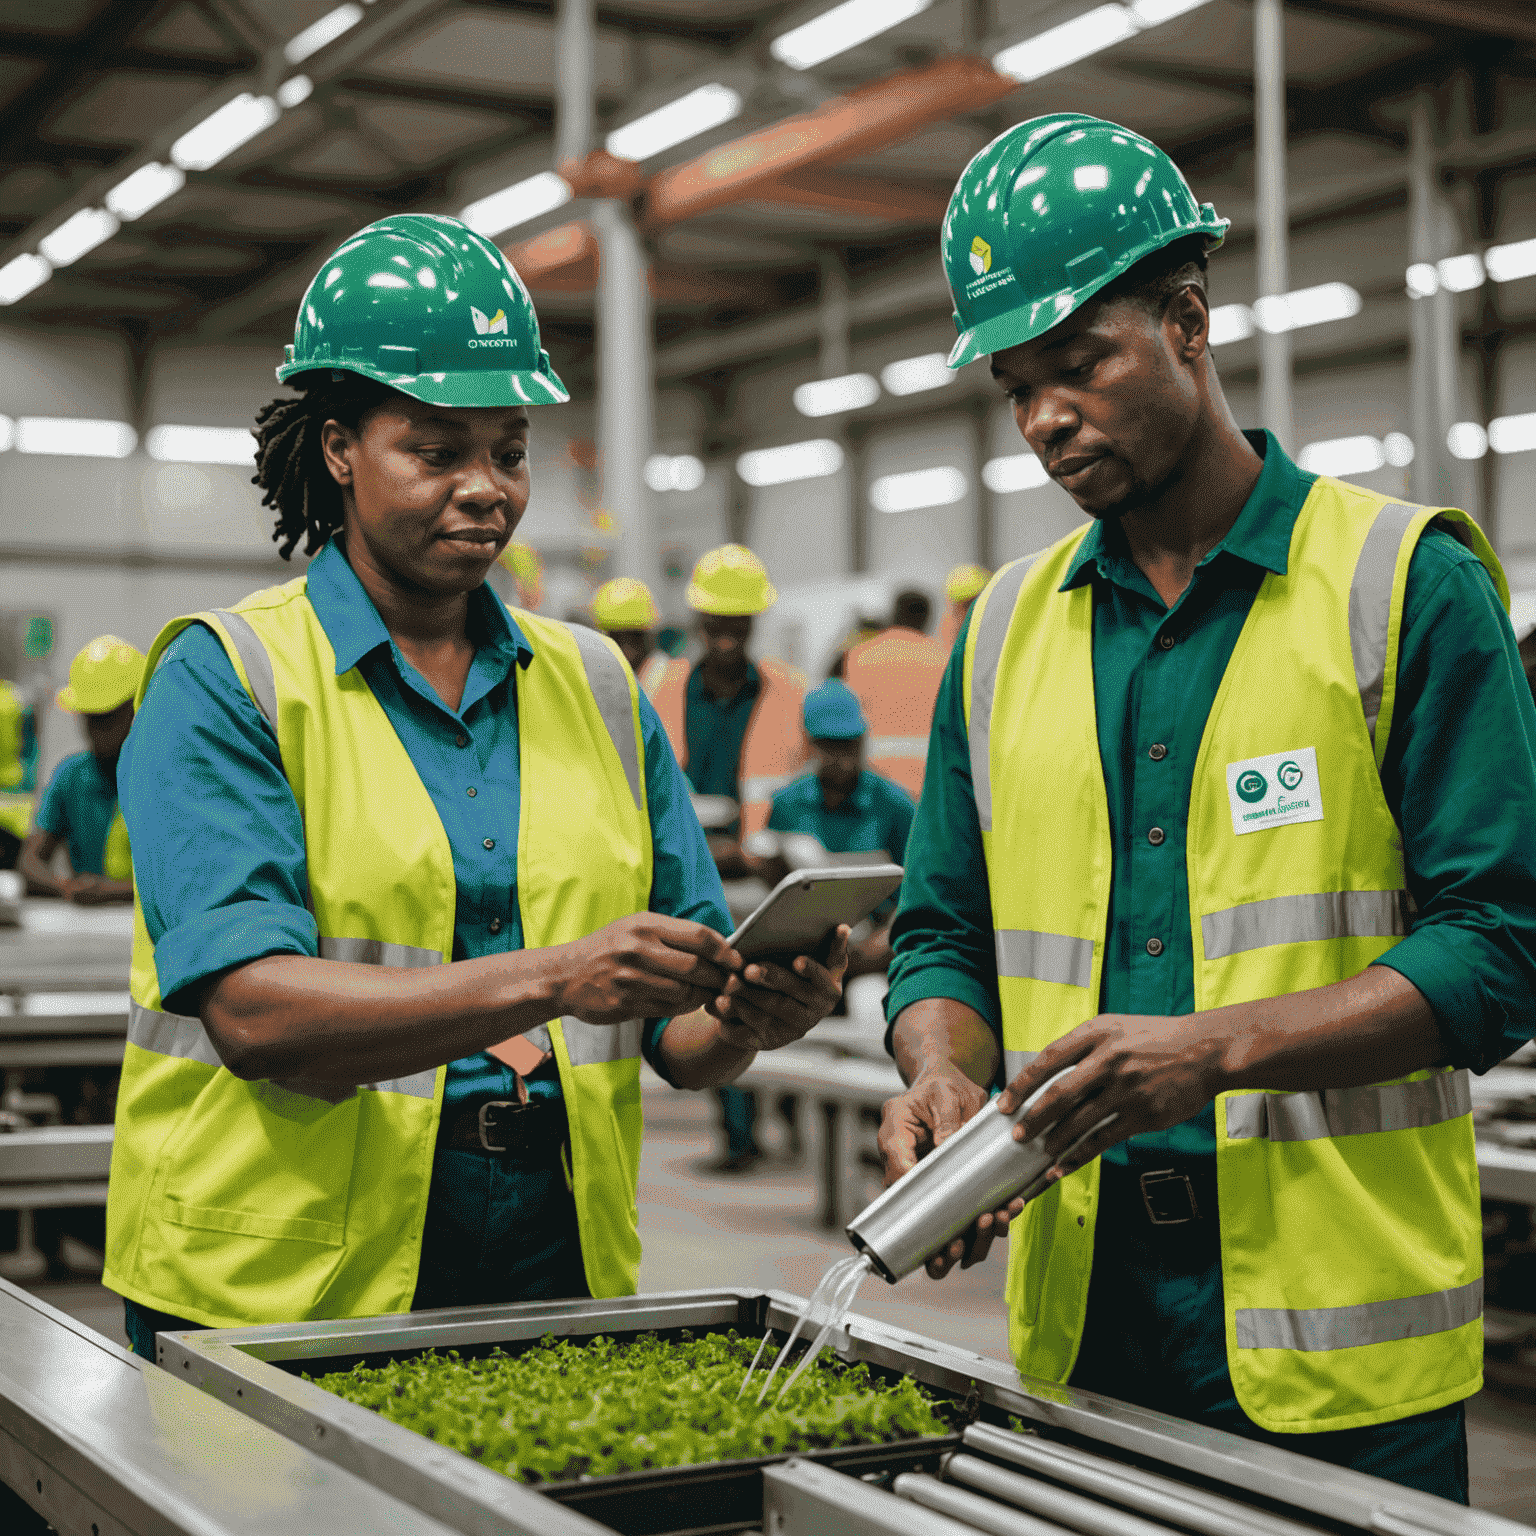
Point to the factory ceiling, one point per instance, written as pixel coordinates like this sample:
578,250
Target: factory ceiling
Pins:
434,104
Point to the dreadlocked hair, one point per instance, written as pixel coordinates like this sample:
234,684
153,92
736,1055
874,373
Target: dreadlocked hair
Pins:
290,465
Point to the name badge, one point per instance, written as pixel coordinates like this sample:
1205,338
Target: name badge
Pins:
1274,791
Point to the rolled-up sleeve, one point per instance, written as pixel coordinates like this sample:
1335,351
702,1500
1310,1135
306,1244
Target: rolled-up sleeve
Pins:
1460,776
218,841
942,934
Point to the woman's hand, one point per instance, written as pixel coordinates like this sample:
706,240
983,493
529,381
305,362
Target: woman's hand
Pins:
769,1005
644,967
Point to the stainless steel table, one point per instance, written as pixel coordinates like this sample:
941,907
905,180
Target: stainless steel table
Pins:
64,948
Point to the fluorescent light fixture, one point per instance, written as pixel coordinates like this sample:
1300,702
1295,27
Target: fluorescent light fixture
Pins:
220,134
1513,434
1467,440
1399,449
1073,40
1230,322
843,27
1306,306
1507,262
794,461
315,36
914,375
941,486
1422,280
1152,13
19,276
81,232
294,91
82,438
7,434
200,445
1016,472
1343,456
678,121
517,204
826,397
147,188
674,472
1461,274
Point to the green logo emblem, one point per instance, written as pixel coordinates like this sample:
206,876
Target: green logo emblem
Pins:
1252,785
1289,774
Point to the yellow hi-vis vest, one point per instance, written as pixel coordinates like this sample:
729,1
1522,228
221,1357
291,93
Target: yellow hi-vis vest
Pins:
244,1202
1351,1245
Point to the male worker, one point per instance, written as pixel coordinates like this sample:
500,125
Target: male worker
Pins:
896,678
626,612
18,771
1195,768
79,807
845,806
962,587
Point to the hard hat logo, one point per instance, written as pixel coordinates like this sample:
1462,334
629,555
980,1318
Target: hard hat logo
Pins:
495,326
981,257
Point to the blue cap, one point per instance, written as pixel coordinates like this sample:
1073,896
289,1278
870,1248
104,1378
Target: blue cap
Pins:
832,713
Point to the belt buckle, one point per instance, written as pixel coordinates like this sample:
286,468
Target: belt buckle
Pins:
484,1116
1160,1183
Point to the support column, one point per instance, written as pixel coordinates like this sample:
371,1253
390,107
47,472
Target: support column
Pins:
986,502
575,44
1272,214
834,358
1433,385
626,407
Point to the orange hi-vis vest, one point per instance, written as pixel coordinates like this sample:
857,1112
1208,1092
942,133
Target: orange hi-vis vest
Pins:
896,678
774,750
659,671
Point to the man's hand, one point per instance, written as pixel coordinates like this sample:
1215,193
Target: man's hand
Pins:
93,890
1146,1071
769,1005
937,1104
644,967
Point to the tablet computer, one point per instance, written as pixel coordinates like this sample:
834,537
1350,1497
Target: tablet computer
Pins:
801,913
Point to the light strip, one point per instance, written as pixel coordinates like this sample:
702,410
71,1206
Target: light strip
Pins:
675,123
914,375
200,445
1078,39
1513,434
517,204
1229,323
793,461
83,231
20,275
1016,472
674,472
827,397
1302,307
941,486
237,122
75,436
315,36
843,27
146,188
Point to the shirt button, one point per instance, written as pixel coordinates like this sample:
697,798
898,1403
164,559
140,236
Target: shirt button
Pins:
1157,751
495,925
461,740
1166,641
1154,946
471,791
490,842
1156,837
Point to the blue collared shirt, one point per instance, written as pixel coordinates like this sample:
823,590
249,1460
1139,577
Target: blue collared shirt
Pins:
715,730
78,806
218,841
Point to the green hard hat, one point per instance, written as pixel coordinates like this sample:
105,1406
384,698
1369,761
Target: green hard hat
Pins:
422,303
1049,213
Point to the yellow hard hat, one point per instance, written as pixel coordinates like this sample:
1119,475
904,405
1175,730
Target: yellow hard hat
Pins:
965,582
105,674
625,603
731,581
528,571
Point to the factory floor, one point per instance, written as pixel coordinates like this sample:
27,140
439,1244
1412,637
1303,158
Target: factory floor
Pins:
762,1228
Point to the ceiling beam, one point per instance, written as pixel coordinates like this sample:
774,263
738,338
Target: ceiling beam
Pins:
535,111
61,48
1511,19
864,197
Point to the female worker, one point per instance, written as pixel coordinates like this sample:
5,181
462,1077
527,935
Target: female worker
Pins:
344,782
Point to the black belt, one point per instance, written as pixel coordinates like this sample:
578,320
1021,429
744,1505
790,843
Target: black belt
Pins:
1181,1194
532,1133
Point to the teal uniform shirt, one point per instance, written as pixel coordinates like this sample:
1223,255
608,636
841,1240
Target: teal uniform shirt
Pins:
77,807
877,814
1460,778
715,730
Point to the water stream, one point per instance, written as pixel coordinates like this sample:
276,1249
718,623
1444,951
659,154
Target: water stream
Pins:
829,1304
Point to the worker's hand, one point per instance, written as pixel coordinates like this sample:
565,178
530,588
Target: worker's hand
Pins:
89,890
912,1124
1148,1072
769,1005
643,967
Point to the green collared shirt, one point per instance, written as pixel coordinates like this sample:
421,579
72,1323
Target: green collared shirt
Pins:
1459,777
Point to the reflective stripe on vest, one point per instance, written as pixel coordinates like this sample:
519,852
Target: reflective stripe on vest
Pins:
1370,605
254,658
1349,1111
992,631
378,952
1044,956
589,1044
1371,1322
609,683
1014,1062
1302,920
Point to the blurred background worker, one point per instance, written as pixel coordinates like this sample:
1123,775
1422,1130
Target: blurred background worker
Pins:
79,807
962,587
527,574
895,677
18,771
626,612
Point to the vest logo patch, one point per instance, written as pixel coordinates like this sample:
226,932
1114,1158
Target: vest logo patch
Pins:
1274,791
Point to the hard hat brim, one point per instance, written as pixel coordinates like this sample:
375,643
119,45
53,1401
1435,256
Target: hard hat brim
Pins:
471,388
1033,320
701,602
68,699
